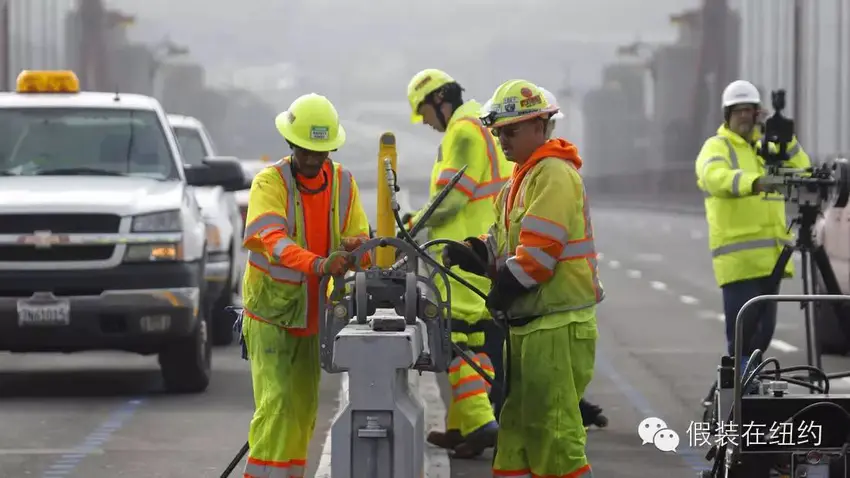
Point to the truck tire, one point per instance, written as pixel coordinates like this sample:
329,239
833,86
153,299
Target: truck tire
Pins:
223,319
186,364
831,337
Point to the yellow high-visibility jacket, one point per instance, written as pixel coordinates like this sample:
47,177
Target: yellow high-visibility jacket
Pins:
272,292
746,231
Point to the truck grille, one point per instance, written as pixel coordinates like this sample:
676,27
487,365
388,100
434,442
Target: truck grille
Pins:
59,223
25,253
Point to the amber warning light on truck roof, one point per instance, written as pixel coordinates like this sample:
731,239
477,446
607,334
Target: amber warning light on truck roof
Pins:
42,81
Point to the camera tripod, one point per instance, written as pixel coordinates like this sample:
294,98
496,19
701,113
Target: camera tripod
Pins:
814,261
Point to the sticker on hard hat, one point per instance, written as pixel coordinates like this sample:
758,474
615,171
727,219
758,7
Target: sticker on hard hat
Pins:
422,82
319,132
526,92
291,117
534,100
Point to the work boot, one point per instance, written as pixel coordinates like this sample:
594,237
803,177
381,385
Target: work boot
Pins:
448,439
476,442
592,414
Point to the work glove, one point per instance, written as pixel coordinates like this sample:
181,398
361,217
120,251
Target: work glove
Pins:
464,256
336,264
506,289
349,244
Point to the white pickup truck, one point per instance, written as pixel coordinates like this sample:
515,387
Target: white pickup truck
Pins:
225,225
102,243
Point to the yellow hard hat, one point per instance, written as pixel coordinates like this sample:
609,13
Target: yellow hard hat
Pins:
421,85
515,101
312,123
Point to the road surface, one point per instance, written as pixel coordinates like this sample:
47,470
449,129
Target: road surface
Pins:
661,337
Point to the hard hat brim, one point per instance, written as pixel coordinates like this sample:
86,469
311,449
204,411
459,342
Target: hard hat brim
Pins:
284,127
519,119
558,116
416,118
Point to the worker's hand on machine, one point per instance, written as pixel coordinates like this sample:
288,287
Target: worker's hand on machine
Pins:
337,264
463,255
349,244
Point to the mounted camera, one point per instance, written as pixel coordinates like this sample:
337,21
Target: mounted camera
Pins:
810,188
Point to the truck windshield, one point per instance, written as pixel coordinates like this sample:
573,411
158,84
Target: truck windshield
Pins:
80,141
191,145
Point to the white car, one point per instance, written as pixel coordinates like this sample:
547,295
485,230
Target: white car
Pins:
102,243
224,268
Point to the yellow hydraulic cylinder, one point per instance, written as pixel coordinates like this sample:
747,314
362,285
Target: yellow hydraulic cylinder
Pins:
386,222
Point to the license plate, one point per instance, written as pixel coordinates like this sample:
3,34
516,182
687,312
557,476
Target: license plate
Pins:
43,313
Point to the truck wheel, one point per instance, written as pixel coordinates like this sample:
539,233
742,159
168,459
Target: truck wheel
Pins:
187,363
831,337
223,319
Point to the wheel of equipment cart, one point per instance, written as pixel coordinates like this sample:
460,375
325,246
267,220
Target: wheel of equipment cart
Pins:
186,364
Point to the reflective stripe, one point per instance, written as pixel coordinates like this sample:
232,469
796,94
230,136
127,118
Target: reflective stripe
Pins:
710,160
476,190
318,265
291,194
344,201
794,150
472,384
264,221
276,272
492,245
543,227
519,273
736,183
743,246
733,155
279,246
578,250
542,258
267,469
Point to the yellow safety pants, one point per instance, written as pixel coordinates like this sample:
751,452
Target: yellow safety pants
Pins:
541,431
285,373
470,408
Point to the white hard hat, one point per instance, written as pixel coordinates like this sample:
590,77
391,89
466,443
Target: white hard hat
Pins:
550,98
741,92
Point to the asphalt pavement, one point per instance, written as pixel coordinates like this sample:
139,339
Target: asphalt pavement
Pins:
661,336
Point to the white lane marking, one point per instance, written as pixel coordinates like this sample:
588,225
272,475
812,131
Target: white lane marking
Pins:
649,257
707,314
696,234
845,381
436,459
600,256
658,285
633,274
686,299
666,227
614,264
51,451
783,346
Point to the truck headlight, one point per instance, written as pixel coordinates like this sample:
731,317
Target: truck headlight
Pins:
153,253
166,221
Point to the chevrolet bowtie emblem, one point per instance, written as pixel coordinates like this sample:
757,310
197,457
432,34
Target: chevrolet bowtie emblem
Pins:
43,239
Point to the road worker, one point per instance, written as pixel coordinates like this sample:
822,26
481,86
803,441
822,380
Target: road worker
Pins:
746,229
591,414
541,253
304,218
436,100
